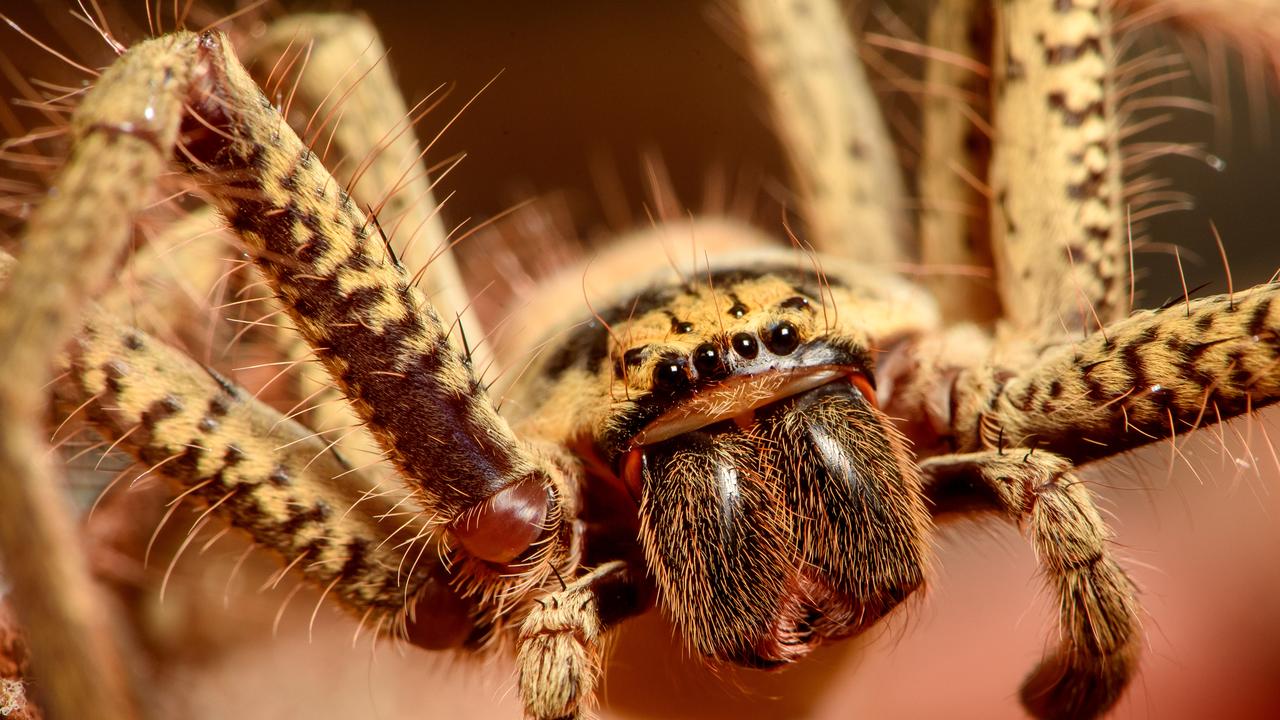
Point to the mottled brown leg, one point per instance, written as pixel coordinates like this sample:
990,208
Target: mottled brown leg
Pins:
1098,612
1057,206
1154,375
270,476
1157,374
345,100
348,89
559,653
827,116
123,134
371,328
955,245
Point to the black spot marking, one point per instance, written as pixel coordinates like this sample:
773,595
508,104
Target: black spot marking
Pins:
232,456
116,369
316,246
1097,393
1073,118
1027,400
316,513
1062,54
798,302
355,563
1091,187
1189,365
165,407
279,476
1261,313
1131,356
219,406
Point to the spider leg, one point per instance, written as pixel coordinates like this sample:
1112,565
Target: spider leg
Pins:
850,185
1155,375
268,475
955,246
1159,374
264,473
559,651
1056,198
372,329
345,100
377,158
346,104
1098,612
123,132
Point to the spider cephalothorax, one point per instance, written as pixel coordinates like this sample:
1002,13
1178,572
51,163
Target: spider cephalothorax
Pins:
758,442
735,405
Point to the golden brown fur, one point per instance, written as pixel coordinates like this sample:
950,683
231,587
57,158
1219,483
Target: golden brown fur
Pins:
785,515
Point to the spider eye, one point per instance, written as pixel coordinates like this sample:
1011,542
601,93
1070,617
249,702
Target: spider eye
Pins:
708,362
745,345
671,374
782,338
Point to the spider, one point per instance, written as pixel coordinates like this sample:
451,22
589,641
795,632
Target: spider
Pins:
725,438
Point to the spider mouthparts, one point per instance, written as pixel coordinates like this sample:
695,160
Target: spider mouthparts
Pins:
738,398
813,614
803,528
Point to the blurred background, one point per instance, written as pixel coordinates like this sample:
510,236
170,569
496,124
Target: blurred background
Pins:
590,100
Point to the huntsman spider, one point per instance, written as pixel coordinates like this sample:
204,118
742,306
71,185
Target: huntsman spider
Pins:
753,430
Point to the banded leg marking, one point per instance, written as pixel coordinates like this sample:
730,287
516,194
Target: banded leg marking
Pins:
374,332
1099,632
1057,207
123,135
849,181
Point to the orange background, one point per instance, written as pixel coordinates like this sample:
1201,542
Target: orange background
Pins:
586,81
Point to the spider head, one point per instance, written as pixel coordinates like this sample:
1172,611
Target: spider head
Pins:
778,507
